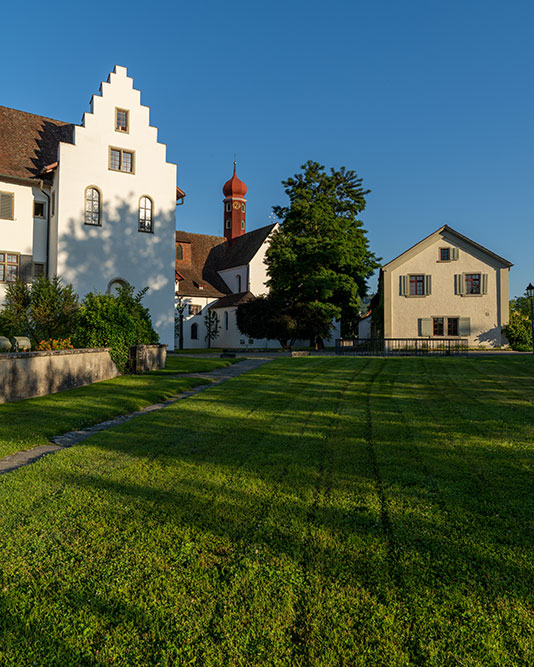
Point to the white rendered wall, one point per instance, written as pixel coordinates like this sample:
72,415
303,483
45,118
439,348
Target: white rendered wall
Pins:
91,257
230,277
24,234
258,270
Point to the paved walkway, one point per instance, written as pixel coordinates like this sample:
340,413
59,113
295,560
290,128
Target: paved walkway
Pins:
59,442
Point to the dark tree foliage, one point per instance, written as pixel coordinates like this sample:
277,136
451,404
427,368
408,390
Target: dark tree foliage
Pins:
271,317
46,310
320,257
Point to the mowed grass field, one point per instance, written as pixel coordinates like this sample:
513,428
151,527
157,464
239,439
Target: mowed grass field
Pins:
317,511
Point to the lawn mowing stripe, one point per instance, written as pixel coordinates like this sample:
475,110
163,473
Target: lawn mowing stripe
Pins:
468,541
301,630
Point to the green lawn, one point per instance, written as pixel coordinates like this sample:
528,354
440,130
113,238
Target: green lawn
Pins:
317,511
34,421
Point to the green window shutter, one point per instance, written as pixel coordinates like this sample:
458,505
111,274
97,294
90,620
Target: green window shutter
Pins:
454,253
403,285
427,327
459,283
464,326
428,285
6,205
484,283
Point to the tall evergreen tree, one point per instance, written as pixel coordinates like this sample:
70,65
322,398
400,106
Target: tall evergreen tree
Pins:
320,257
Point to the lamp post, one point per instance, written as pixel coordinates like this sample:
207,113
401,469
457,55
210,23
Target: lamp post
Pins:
530,294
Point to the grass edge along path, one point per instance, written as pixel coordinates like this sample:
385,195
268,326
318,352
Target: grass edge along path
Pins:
34,421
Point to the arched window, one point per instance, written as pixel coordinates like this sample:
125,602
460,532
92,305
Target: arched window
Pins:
194,331
179,251
228,206
92,206
226,320
145,214
239,283
114,286
228,224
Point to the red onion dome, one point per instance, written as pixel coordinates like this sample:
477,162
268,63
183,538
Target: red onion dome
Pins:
234,187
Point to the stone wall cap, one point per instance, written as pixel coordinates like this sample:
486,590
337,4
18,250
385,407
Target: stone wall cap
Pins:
51,353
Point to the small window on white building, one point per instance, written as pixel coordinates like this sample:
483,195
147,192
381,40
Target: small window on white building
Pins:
194,331
38,270
120,160
145,214
92,206
226,320
38,209
194,309
239,283
9,267
121,120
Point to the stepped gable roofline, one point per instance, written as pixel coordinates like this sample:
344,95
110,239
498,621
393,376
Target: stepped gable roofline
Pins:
443,231
242,249
233,300
28,142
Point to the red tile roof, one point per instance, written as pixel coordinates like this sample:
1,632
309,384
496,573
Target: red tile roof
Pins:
210,254
28,143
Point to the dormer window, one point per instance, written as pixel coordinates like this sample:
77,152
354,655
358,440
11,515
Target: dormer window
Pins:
121,120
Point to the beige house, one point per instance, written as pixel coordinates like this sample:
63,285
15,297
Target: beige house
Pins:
445,286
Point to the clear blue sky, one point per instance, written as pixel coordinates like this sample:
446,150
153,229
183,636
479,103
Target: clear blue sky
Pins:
432,103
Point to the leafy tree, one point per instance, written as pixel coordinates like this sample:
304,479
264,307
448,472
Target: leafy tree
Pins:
53,308
270,317
15,316
519,329
320,257
45,310
211,322
116,321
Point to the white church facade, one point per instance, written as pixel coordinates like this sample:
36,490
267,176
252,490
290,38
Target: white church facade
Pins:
93,203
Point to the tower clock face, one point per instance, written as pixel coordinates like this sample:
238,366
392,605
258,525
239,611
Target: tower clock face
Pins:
237,205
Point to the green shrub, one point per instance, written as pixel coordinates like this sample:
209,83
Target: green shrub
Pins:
116,321
519,332
45,310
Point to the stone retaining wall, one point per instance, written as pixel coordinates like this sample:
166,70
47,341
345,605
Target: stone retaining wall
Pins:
29,374
145,358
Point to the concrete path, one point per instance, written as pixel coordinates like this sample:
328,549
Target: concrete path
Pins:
59,442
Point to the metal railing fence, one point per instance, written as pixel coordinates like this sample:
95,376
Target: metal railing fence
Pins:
385,347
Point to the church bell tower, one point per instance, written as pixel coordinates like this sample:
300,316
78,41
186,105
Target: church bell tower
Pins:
235,207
